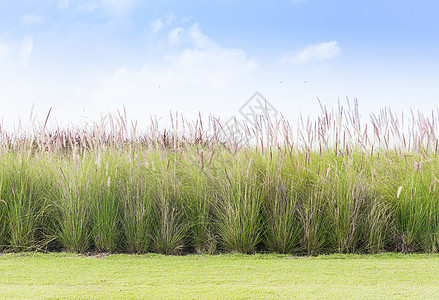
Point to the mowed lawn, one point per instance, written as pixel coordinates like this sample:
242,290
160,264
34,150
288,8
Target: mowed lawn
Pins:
62,275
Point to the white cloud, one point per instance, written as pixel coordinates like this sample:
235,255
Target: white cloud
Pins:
199,39
175,36
63,4
192,68
16,52
25,50
315,52
4,50
88,7
119,8
192,36
113,8
201,70
29,20
159,24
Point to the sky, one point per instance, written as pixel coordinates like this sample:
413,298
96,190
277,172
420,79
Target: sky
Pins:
87,58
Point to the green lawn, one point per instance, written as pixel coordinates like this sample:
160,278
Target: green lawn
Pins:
64,275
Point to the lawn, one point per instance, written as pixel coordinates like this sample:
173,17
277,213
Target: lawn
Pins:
63,275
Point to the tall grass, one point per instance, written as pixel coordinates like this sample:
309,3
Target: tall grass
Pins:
199,197
73,208
282,203
238,206
105,206
170,222
333,184
22,191
134,194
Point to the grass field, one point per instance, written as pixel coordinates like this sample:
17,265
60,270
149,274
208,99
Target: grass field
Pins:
261,276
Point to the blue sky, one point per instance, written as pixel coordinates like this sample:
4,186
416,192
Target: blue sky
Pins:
88,57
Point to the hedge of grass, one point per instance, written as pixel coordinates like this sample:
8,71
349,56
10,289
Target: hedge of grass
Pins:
331,185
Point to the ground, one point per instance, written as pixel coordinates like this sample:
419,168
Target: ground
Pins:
64,275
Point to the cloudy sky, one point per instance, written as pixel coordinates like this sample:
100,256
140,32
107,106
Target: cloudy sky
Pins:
87,57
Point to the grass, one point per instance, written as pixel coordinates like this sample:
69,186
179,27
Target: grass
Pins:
329,185
232,276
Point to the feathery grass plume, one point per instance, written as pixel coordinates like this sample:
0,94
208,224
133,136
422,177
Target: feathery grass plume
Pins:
238,207
74,209
414,208
105,210
24,194
197,193
280,207
137,206
312,210
398,193
348,197
170,225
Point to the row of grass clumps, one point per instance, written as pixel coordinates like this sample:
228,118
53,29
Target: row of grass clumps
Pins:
328,186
